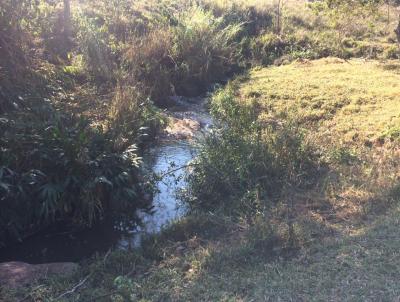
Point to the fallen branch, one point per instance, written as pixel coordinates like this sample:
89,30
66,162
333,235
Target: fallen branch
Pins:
177,169
77,286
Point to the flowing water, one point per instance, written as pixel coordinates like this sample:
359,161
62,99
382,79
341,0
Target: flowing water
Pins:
167,206
175,150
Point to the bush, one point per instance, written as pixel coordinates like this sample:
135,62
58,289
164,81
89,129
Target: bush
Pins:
204,49
150,65
266,48
255,19
94,45
56,168
133,117
244,165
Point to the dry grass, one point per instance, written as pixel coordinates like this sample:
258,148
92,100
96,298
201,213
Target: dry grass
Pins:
361,267
351,110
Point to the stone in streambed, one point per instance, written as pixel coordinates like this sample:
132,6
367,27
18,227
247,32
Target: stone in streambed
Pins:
17,274
182,128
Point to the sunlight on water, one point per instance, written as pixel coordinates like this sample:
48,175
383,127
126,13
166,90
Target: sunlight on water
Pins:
167,207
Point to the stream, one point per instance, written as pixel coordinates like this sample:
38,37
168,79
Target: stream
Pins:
190,119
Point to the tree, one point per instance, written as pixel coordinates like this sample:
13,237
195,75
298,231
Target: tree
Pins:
279,9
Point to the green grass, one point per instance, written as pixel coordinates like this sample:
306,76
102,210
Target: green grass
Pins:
360,267
355,100
351,113
347,227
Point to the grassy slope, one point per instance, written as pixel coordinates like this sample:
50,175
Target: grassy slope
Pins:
357,100
362,267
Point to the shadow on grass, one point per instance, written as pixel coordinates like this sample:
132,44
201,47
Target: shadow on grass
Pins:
363,264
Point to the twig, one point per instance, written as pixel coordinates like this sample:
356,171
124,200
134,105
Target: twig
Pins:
77,286
106,256
177,169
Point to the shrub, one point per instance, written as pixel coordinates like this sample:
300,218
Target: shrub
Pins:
150,64
94,45
204,50
255,19
391,52
266,48
133,117
56,168
13,60
244,165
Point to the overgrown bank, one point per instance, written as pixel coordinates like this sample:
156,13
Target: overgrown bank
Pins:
78,89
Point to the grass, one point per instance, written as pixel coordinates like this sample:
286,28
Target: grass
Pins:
356,100
359,267
346,228
362,267
350,110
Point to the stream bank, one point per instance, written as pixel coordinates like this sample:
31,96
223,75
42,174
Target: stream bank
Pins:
174,148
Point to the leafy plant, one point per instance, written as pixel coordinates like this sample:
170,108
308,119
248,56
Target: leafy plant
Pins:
244,165
70,172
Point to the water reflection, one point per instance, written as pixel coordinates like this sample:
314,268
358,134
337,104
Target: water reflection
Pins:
167,156
58,244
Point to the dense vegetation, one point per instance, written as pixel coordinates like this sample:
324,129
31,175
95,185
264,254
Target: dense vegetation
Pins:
298,171
78,93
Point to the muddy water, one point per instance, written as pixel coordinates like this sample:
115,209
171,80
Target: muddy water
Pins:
175,149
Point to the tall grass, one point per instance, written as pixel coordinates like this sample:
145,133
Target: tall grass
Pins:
186,57
63,172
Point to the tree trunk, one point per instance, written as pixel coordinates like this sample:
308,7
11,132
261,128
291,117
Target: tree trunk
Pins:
67,20
279,16
397,31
